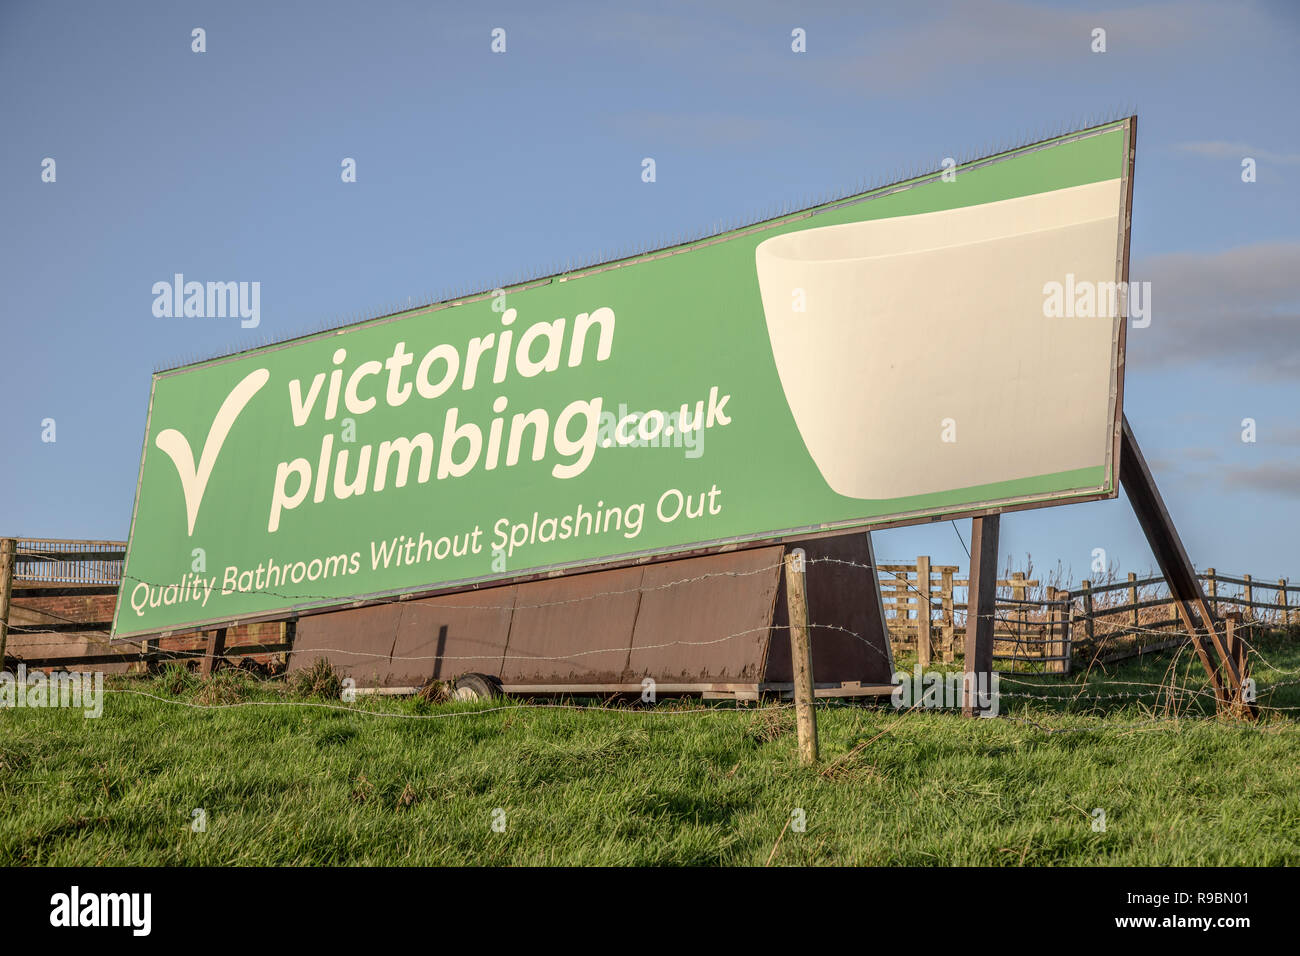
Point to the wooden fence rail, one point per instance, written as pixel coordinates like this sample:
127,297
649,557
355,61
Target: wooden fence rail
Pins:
1049,628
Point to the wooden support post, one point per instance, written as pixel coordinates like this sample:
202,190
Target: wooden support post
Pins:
981,609
8,557
796,596
923,647
289,633
1281,599
1184,585
1213,584
216,648
1250,599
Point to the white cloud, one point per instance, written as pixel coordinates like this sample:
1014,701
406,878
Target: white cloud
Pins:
1219,149
1009,36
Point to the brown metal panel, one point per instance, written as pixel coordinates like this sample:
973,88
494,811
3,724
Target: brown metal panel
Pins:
403,644
448,636
706,619
357,642
849,639
573,630
697,621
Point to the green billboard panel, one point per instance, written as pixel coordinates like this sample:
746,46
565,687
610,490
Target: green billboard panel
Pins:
946,345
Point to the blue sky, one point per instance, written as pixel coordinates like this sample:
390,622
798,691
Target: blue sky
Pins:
474,167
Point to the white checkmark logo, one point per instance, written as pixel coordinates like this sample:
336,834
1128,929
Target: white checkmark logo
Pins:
195,480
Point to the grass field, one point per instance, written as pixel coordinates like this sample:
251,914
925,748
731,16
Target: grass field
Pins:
283,783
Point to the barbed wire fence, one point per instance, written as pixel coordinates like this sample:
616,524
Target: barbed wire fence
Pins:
1173,699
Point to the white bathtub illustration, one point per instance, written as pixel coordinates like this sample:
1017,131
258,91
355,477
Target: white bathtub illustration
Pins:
912,321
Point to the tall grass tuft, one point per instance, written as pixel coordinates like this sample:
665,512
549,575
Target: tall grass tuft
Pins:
320,680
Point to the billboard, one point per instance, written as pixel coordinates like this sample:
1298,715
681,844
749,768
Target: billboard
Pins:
943,346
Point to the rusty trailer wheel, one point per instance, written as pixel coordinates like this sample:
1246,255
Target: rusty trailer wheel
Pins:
477,687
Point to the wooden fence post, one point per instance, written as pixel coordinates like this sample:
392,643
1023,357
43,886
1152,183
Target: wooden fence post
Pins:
1133,596
901,596
1235,645
1250,599
1021,612
1067,633
1213,586
8,556
949,620
1281,599
923,648
796,597
1087,610
1048,647
1058,629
